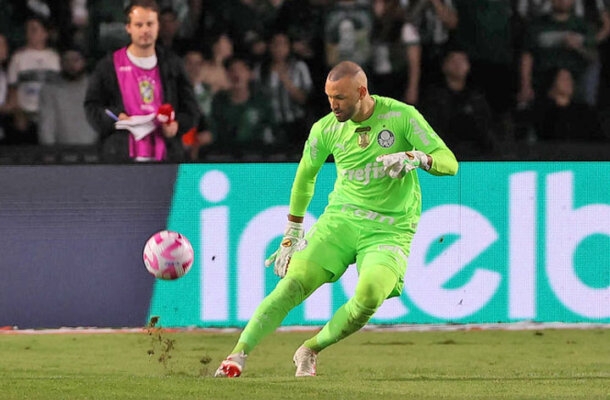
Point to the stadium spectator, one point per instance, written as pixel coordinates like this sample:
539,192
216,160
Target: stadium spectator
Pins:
348,32
214,70
169,26
199,19
106,27
485,31
241,120
55,13
303,21
62,118
76,32
395,67
190,25
12,18
557,40
205,19
596,13
136,80
29,68
459,112
193,65
591,10
65,22
212,78
529,9
429,26
199,137
370,219
286,82
559,116
181,10
603,99
247,26
4,110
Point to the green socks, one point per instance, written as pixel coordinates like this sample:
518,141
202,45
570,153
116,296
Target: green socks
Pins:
348,319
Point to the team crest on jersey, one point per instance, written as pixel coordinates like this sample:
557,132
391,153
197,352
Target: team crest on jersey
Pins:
363,136
146,91
385,138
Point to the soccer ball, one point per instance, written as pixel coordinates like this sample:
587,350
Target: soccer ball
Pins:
168,255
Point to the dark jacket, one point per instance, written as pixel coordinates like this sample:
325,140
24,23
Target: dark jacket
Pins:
573,122
104,92
462,118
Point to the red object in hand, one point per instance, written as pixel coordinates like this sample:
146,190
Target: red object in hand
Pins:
190,137
166,114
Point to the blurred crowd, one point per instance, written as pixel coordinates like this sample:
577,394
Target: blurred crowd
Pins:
491,76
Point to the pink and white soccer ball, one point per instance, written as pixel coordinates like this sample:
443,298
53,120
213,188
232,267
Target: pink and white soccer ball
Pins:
168,255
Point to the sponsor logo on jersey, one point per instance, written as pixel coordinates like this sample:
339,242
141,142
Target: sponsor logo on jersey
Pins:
364,175
367,214
386,138
419,131
313,148
394,249
146,90
331,128
388,115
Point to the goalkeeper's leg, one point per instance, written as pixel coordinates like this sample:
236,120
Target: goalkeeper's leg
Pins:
301,280
375,284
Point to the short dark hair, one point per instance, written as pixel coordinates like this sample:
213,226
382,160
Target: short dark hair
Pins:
46,24
237,58
148,4
168,10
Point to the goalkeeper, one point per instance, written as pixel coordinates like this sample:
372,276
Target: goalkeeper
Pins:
371,217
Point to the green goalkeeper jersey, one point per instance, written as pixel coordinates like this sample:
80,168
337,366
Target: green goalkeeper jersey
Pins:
362,187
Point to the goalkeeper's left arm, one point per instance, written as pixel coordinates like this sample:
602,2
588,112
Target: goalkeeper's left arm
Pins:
443,162
428,142
438,162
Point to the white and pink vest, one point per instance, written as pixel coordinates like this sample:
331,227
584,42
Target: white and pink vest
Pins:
142,93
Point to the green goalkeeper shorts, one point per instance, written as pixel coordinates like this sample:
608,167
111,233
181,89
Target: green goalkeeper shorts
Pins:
338,240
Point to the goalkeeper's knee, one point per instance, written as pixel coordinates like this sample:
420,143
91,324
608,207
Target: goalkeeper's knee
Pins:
367,299
371,294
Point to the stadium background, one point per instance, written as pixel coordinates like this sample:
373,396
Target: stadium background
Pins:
501,242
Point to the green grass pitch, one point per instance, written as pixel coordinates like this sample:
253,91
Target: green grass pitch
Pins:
551,364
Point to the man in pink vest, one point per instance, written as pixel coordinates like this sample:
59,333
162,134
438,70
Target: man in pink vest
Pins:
136,81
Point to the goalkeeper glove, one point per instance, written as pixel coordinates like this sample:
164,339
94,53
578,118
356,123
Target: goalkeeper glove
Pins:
395,163
291,242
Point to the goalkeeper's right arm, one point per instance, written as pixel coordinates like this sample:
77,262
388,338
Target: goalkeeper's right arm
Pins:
303,188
